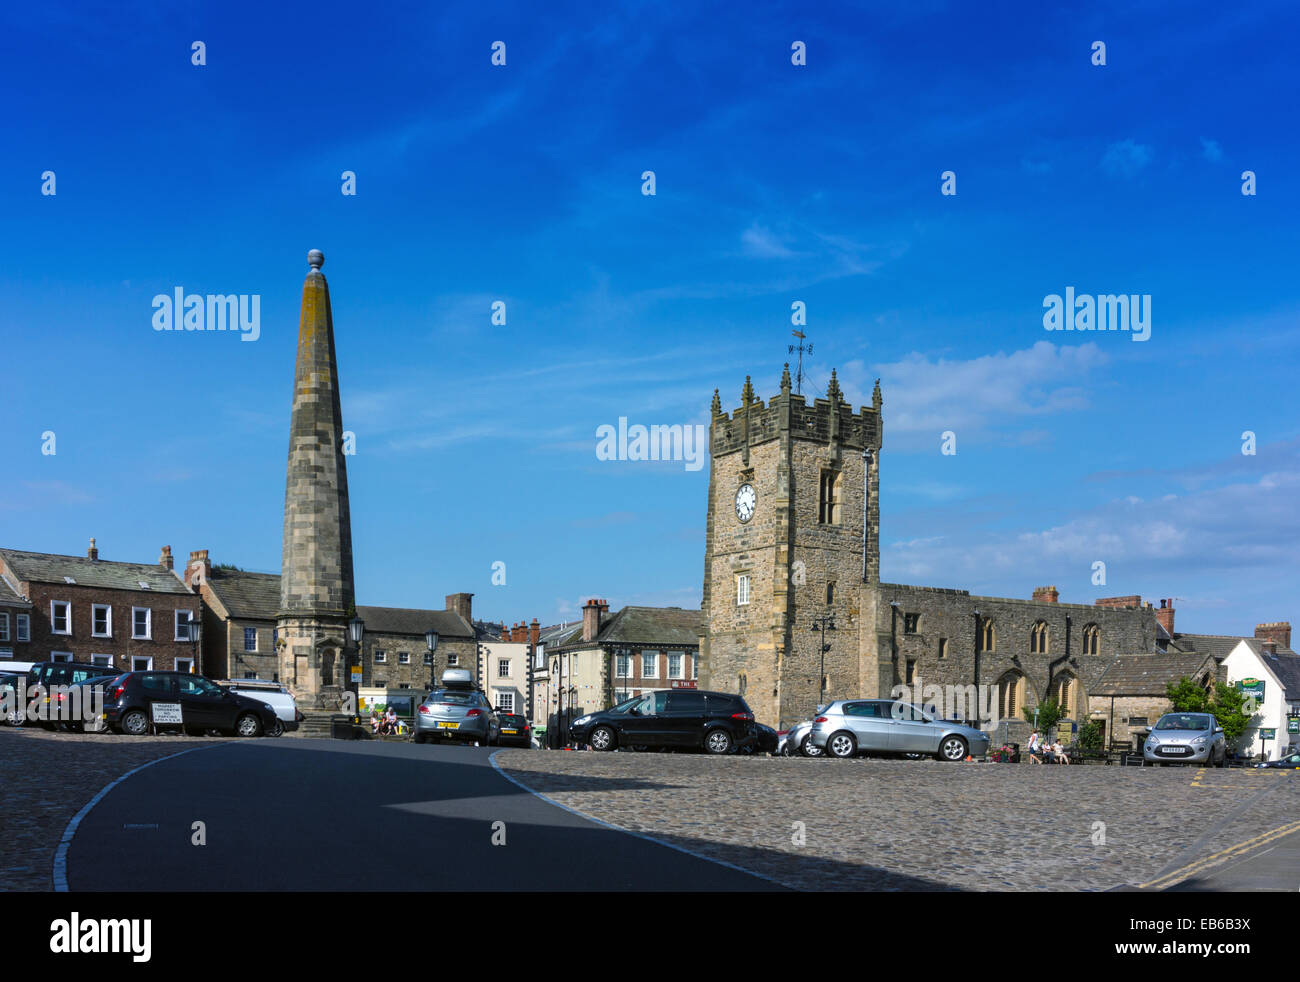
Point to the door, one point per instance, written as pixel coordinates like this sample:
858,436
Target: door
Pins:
156,687
683,720
871,727
205,705
642,724
911,732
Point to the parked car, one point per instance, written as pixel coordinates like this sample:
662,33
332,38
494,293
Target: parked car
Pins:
796,742
1289,762
14,711
766,741
274,694
81,699
459,711
50,676
851,726
1186,738
718,722
180,699
513,730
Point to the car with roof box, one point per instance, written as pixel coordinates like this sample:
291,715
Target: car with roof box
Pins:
458,711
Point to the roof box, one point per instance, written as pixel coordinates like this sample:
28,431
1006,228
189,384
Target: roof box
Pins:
458,678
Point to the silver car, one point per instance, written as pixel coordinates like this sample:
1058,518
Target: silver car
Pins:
1186,738
851,726
796,742
458,711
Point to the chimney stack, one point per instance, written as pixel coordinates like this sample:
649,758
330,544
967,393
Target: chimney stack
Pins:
165,560
197,570
1277,631
1270,647
92,552
461,603
1165,615
1119,603
534,634
1046,594
591,617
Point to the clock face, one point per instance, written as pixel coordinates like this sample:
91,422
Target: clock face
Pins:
745,502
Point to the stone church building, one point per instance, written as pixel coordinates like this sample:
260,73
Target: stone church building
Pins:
793,536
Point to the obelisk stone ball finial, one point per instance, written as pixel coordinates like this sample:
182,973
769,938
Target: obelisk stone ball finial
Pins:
316,259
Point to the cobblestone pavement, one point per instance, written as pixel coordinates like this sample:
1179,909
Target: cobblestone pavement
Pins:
874,824
45,779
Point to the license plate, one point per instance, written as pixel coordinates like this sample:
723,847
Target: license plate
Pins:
1175,750
448,726
511,732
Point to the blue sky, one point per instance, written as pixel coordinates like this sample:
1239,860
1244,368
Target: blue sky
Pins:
775,183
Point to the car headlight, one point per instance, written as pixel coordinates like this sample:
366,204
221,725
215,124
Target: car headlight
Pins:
582,721
1198,742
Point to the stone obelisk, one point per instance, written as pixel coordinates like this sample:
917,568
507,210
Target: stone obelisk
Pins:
316,587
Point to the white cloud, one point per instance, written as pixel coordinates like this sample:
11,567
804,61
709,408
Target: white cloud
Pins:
1125,158
1211,150
763,243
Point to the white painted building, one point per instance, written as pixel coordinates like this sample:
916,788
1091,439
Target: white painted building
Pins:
1261,663
503,667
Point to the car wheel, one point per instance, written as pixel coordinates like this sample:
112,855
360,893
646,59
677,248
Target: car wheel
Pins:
134,723
602,738
277,728
810,749
15,718
248,725
953,748
842,745
718,741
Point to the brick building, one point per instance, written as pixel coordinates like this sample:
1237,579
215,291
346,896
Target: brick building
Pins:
15,624
792,538
126,616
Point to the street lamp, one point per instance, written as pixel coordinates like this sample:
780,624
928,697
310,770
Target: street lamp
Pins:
823,624
431,642
356,631
196,635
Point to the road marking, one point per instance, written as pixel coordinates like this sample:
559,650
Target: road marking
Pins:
131,825
1219,858
637,835
61,853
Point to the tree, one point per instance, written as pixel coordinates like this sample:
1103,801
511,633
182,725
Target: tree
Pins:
1090,735
1233,709
1187,696
1049,712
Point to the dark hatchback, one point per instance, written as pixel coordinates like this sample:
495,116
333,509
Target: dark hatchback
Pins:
718,722
180,700
50,676
514,731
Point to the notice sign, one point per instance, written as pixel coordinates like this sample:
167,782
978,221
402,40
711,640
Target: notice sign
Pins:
1293,724
1268,734
356,673
166,712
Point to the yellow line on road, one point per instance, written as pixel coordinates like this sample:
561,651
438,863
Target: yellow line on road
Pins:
1220,857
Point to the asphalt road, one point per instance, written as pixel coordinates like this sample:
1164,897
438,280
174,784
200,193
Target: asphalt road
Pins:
329,815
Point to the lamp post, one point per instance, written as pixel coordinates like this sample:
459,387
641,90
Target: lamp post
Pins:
196,635
356,631
431,643
823,624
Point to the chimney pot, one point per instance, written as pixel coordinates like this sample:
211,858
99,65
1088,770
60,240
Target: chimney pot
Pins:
165,560
1276,631
92,552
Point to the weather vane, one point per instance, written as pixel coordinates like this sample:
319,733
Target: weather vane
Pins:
801,348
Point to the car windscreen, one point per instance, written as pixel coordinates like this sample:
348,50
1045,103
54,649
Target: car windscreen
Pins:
455,697
625,705
1184,721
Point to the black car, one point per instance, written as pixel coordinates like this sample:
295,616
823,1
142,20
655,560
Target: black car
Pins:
136,700
1289,763
718,722
766,742
515,731
51,676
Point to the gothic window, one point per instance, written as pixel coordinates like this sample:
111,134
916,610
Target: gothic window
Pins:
1038,638
1067,694
828,508
1011,695
1091,637
987,636
830,593
910,623
741,683
943,647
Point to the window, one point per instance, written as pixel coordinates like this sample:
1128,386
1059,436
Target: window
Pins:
649,664
1091,639
506,701
623,666
381,658
24,632
830,593
250,639
869,709
250,675
910,622
742,589
4,627
275,636
1067,687
60,656
453,660
101,620
183,618
6,653
141,663
675,665
1038,638
1011,691
987,636
141,623
403,658
381,683
1138,721
60,617
695,666
828,499
503,668
428,657
943,647
911,670
185,665
742,683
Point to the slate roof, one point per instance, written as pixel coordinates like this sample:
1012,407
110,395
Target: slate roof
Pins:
1287,669
42,567
673,626
10,597
247,595
406,620
1218,645
1148,675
